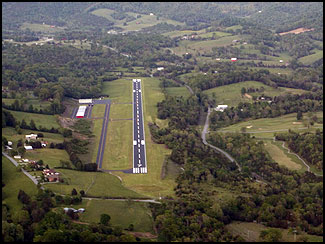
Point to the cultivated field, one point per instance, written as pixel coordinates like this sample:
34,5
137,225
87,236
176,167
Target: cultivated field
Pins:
14,181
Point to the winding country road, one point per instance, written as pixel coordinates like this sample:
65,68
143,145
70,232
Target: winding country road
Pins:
205,131
308,167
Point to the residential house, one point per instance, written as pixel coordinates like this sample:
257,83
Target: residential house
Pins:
51,175
28,147
221,108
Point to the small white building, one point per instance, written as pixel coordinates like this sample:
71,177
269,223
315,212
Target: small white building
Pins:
233,59
25,160
160,68
218,59
281,61
221,108
9,143
28,147
31,136
85,100
151,14
17,157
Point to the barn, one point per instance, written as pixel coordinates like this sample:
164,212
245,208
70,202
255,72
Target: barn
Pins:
81,112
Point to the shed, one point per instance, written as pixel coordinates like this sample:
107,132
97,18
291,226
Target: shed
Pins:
17,157
28,147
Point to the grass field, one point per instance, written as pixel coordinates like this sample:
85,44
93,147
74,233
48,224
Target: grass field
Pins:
231,94
47,121
150,184
49,156
118,152
98,110
215,33
121,111
178,91
312,58
285,122
208,45
14,181
280,157
122,213
146,21
93,183
35,102
11,135
178,33
119,91
41,28
251,231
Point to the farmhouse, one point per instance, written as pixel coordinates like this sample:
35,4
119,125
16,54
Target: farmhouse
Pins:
31,136
221,108
81,112
51,175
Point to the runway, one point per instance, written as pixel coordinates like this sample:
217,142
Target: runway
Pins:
139,147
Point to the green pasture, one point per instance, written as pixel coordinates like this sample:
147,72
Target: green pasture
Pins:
146,21
307,60
35,102
119,91
150,184
178,33
231,94
106,13
11,135
41,28
96,184
178,91
123,213
47,121
282,71
280,157
118,152
208,45
49,156
14,181
120,111
272,125
250,232
234,27
214,33
98,111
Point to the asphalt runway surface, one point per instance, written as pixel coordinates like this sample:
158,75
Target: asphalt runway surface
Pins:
101,147
139,147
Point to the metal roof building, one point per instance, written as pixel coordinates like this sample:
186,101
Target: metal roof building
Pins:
81,112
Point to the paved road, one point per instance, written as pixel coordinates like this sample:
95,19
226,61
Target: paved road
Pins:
205,130
139,147
24,171
103,135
